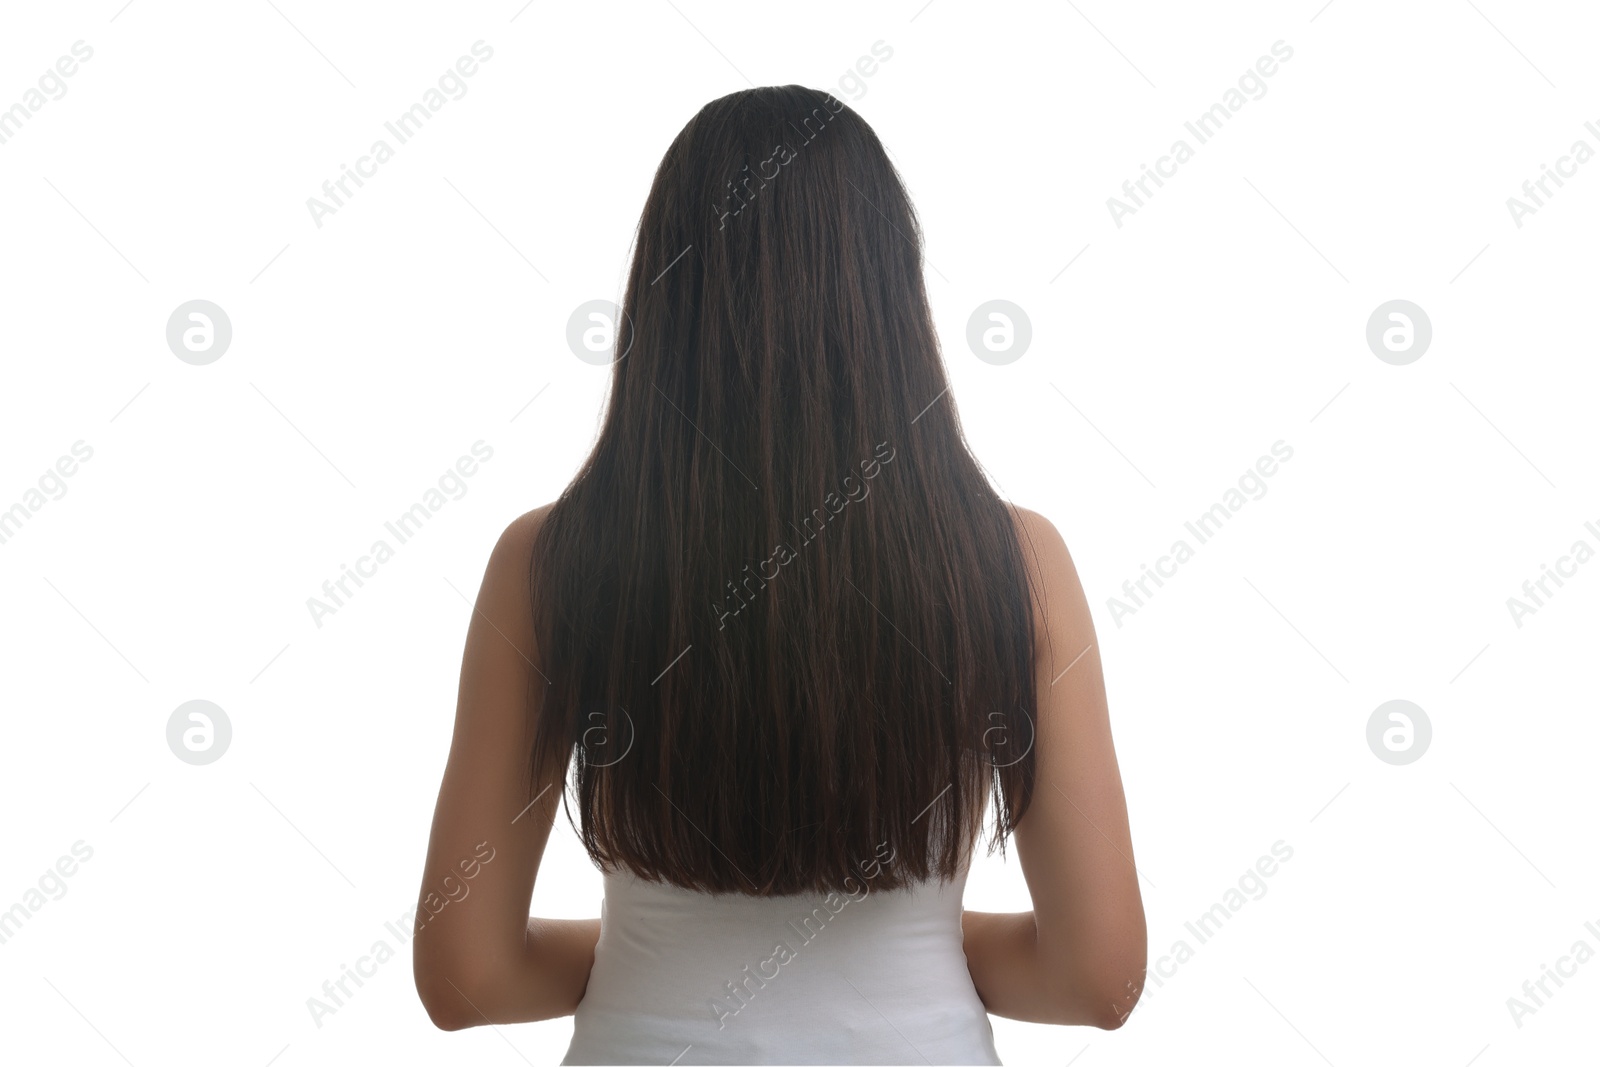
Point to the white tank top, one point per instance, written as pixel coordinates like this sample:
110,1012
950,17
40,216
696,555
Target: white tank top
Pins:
874,976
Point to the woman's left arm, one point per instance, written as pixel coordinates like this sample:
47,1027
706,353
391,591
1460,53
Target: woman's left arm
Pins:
477,957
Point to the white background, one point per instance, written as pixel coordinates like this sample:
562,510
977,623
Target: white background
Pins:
1225,315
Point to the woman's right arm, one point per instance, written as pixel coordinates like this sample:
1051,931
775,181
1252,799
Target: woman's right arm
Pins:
1079,956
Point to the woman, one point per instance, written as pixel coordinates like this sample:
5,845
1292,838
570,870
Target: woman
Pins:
788,644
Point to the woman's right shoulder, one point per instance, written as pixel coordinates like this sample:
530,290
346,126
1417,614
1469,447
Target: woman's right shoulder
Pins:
1058,600
1043,547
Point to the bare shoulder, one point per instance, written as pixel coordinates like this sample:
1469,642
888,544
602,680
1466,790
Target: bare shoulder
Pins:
1043,548
514,549
505,594
516,541
1059,605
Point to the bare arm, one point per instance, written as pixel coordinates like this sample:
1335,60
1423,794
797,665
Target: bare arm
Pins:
1079,956
478,957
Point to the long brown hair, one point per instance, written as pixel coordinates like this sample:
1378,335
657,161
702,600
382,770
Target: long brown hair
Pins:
784,617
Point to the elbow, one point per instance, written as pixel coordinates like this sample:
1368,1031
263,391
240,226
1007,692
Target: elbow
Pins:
1104,994
1117,992
1105,1004
446,1007
1114,1015
445,1019
1117,978
451,995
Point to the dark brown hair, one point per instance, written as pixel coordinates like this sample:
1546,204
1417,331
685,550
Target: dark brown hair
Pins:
784,617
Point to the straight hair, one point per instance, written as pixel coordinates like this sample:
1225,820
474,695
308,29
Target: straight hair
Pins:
785,618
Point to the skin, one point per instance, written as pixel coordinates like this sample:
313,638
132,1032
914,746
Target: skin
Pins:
1077,958
482,959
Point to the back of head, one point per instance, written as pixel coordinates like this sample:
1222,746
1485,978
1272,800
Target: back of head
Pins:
784,616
